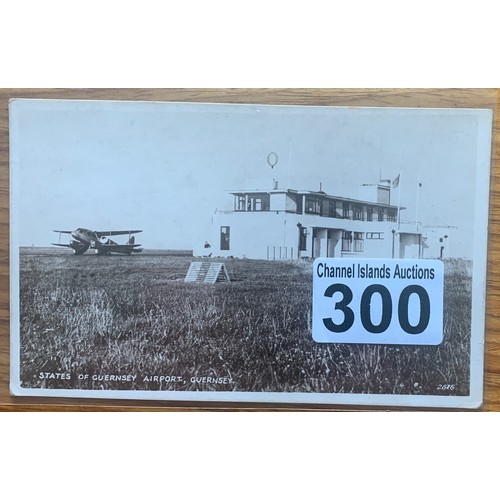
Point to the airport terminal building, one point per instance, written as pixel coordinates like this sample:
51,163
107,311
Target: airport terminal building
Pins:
285,224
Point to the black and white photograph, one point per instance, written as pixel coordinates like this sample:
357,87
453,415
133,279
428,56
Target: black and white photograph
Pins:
166,251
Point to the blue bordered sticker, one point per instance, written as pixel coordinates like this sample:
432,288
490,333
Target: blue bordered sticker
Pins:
378,301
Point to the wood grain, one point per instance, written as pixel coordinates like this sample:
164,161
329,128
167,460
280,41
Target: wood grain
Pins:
470,98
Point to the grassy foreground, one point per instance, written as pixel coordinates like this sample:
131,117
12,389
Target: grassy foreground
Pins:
131,323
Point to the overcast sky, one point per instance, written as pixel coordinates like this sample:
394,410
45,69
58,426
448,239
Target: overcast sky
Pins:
166,167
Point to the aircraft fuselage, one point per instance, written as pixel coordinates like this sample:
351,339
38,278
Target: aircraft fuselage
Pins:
83,239
86,239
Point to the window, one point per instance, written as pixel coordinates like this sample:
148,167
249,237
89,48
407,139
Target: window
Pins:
240,202
313,205
334,209
299,204
302,238
224,238
369,213
258,202
358,212
345,210
383,195
346,241
380,214
358,242
374,236
391,215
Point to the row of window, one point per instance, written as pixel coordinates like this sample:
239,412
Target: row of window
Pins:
319,206
347,241
349,210
374,236
352,241
252,203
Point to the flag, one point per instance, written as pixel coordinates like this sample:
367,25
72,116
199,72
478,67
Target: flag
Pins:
395,182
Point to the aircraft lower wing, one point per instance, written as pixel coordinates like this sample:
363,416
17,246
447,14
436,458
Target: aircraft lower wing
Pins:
100,234
114,247
77,247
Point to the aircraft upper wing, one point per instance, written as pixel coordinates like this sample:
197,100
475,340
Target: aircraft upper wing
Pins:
100,234
65,232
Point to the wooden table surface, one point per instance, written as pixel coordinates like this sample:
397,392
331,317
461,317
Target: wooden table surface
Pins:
470,98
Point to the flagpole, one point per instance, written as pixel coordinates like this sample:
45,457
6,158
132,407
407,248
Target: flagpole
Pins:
399,200
418,203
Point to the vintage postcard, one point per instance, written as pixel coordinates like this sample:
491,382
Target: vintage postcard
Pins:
248,253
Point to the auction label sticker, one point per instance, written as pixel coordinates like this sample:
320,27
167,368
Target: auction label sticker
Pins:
378,301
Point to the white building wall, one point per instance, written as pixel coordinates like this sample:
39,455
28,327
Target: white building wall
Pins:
277,201
438,243
409,246
291,203
376,193
275,236
253,235
380,247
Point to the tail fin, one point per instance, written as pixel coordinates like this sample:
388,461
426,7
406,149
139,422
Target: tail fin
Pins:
131,240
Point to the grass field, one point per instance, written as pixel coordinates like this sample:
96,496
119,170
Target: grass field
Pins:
89,318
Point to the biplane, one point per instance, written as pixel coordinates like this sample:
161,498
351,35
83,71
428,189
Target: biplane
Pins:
99,241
